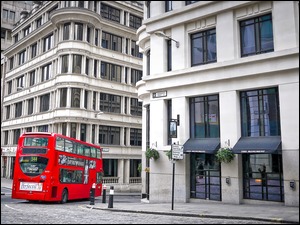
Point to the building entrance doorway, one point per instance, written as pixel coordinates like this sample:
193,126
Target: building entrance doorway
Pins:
205,177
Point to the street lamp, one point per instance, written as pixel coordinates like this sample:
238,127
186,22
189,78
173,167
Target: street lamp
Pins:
162,34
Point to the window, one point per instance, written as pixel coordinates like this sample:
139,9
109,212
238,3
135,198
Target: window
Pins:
73,130
135,107
6,137
110,72
112,42
135,137
16,38
44,102
87,66
263,177
20,82
33,50
11,63
190,2
148,62
260,113
63,97
88,34
83,132
109,135
169,55
110,103
22,57
30,106
81,4
43,128
26,31
94,100
95,68
257,35
86,97
148,3
7,112
136,75
168,6
12,15
48,42
65,63
38,22
109,12
3,33
135,21
46,72
96,37
77,62
134,164
5,14
203,46
17,133
32,78
135,50
66,31
75,97
78,34
204,114
18,109
110,167
9,87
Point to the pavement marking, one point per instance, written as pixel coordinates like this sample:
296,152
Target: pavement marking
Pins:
12,208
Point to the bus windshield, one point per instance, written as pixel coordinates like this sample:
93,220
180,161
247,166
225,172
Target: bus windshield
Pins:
33,165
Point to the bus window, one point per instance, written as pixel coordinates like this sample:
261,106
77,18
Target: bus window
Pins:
60,144
28,141
80,149
68,146
33,165
87,150
93,152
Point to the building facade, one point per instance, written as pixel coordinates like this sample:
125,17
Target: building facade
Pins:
10,15
72,69
227,74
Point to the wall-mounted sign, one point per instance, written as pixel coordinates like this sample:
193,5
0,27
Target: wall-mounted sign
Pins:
105,149
160,94
177,151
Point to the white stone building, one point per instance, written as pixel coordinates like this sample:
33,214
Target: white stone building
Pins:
72,69
228,73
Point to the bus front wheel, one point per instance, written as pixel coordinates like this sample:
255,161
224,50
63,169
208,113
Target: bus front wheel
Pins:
64,196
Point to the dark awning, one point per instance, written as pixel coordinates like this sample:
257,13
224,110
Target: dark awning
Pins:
266,144
201,145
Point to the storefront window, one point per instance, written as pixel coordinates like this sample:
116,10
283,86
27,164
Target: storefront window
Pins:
262,177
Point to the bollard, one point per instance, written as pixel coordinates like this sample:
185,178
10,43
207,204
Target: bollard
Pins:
104,194
111,197
92,194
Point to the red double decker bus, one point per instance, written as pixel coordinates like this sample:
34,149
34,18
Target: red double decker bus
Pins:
53,167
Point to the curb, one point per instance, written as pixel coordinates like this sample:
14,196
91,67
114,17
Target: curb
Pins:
277,220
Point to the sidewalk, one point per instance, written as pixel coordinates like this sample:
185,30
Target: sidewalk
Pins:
208,209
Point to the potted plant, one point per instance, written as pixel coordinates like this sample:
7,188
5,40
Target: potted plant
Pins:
152,153
225,155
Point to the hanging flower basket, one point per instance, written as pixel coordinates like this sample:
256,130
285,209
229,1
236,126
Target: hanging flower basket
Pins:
169,154
152,153
225,155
